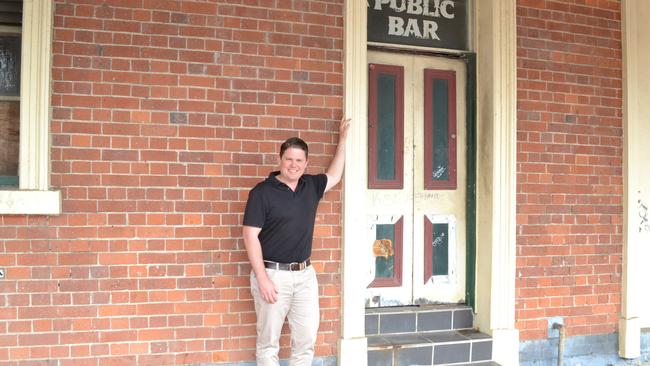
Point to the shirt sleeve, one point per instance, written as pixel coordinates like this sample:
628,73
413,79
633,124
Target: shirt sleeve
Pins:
254,214
321,183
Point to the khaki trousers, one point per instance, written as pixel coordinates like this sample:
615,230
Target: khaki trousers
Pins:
297,301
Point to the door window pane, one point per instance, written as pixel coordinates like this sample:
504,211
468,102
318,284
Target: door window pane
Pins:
387,251
384,252
440,130
440,153
385,126
439,242
440,250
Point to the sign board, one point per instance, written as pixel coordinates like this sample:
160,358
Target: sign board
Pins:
426,23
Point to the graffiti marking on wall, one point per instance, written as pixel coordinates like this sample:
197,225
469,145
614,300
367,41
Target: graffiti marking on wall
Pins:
644,224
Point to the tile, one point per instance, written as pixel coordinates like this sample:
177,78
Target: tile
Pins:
451,353
414,356
473,334
380,358
372,324
392,309
463,319
397,323
378,341
405,339
482,351
434,320
444,337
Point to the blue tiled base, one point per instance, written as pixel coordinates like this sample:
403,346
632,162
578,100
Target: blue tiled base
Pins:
318,361
592,350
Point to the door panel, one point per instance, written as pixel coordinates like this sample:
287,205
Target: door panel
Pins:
415,200
439,181
388,201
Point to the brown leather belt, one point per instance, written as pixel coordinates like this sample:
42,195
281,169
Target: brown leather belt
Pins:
294,266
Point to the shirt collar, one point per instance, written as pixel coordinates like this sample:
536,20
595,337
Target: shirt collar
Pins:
273,178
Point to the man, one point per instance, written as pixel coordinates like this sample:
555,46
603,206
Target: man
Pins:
278,232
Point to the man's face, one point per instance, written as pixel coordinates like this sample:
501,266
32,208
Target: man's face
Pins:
292,164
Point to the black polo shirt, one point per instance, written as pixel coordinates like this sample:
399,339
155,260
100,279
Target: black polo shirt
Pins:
286,217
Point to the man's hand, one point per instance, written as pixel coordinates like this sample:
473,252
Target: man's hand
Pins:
267,289
343,128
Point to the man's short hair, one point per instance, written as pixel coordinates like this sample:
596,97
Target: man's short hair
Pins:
294,142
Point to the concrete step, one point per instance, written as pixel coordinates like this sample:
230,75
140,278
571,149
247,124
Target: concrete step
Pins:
429,348
425,335
426,318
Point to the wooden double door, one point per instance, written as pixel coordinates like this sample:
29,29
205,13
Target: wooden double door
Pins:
416,190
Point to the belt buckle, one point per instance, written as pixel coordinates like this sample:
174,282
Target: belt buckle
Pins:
294,266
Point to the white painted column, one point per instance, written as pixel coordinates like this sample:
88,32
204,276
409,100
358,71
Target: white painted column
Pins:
35,95
497,121
353,343
635,302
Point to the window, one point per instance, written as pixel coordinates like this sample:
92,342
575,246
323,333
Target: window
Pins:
32,194
386,127
439,248
440,129
10,29
387,249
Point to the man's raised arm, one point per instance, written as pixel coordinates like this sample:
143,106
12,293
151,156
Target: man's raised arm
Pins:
335,170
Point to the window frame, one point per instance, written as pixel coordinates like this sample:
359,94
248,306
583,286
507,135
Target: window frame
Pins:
33,194
450,76
374,70
429,221
398,249
8,181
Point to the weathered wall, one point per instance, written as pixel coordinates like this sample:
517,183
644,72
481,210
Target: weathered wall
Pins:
164,115
569,172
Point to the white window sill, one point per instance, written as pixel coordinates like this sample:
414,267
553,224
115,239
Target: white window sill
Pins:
23,202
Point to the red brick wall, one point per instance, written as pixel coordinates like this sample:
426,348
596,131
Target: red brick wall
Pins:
569,172
165,114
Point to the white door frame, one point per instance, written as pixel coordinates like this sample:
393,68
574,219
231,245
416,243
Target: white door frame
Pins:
495,45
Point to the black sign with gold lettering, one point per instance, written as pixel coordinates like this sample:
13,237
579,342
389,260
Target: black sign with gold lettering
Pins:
427,23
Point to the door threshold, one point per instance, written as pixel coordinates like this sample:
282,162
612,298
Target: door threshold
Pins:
391,308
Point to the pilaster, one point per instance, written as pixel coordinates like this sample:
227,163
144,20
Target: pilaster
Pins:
353,343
